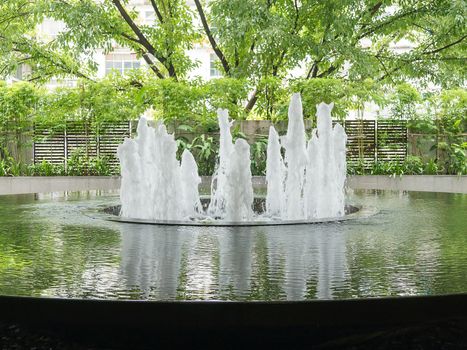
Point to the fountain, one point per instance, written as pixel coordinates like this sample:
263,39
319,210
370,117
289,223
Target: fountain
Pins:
305,184
59,252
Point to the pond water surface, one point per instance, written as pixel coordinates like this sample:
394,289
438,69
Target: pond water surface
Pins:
59,245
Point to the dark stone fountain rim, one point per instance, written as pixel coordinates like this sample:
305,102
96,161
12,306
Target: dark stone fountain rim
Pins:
351,212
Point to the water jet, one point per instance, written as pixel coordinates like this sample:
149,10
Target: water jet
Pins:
305,179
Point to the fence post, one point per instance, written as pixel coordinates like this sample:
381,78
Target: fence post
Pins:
98,141
375,154
65,143
33,143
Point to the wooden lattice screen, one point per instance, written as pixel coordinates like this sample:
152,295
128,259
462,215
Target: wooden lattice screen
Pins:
56,146
391,140
49,145
110,136
361,141
368,141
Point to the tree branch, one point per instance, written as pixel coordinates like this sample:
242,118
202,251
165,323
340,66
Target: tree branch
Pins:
208,32
145,43
252,101
152,65
389,73
389,21
156,10
375,8
384,67
327,72
129,37
444,47
313,70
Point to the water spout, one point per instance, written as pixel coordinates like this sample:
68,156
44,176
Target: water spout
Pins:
306,183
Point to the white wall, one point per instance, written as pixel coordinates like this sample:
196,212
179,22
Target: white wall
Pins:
202,56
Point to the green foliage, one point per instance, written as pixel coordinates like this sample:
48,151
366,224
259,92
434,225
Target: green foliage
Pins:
403,101
77,165
256,41
227,93
173,101
258,153
45,168
110,99
9,166
431,168
80,164
387,168
345,95
446,120
357,168
452,110
413,165
18,106
204,149
272,101
456,162
315,91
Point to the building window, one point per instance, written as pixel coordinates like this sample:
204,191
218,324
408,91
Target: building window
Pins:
214,71
121,62
149,17
19,72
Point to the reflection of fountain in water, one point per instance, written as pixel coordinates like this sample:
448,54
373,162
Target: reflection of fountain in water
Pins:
332,265
151,262
233,263
307,183
236,251
315,265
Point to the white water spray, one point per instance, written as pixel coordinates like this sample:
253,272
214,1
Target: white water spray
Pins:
307,183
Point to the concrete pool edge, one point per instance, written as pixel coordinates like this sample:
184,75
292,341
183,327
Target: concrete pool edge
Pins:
424,183
217,315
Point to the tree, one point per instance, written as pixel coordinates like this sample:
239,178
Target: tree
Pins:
338,38
255,40
91,25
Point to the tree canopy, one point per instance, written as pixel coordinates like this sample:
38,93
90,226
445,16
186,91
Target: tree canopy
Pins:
255,40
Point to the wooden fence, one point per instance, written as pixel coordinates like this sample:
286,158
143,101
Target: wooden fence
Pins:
57,146
368,141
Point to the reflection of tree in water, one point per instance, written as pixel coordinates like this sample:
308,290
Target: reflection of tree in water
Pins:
453,242
397,253
48,248
88,260
267,272
63,261
151,258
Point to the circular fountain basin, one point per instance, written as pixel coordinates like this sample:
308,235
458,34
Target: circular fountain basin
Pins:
64,246
351,212
60,253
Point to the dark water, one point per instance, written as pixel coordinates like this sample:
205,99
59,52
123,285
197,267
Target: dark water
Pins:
53,245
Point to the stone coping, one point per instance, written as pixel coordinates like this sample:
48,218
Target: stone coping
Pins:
425,183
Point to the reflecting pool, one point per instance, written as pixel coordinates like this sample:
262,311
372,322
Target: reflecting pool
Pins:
60,245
